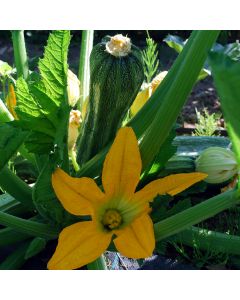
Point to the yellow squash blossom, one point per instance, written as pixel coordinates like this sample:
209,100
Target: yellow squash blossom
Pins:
73,88
11,101
74,124
119,212
145,94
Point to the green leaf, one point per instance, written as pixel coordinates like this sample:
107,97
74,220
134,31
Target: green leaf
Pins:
166,152
53,67
11,138
232,50
226,74
42,102
36,246
162,207
44,197
32,113
38,115
177,43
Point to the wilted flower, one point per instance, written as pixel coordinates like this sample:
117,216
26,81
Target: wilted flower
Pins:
73,88
219,163
74,124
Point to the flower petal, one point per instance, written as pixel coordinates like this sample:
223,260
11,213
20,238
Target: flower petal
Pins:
122,166
137,240
140,100
77,195
172,185
78,245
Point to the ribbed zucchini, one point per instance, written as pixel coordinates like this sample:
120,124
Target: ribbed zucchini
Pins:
190,147
116,75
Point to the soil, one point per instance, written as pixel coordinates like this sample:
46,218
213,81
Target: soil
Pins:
203,96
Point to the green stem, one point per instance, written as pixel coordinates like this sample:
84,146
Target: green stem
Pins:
12,206
20,54
17,188
195,214
4,88
171,105
72,154
9,236
207,239
16,259
86,48
98,264
29,227
5,115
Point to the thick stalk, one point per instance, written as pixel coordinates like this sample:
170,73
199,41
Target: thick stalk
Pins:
16,259
86,48
209,240
98,264
29,227
17,188
195,214
20,54
9,236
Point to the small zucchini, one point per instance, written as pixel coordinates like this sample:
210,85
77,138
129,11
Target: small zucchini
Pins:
116,75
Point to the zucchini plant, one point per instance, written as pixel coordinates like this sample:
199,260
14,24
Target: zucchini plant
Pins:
32,215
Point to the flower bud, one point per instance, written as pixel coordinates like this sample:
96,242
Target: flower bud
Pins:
146,93
219,163
11,101
74,124
157,80
73,88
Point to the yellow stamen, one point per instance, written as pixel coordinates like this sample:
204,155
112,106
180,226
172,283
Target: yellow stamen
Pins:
111,219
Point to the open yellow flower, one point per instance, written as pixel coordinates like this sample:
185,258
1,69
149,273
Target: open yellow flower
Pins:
119,212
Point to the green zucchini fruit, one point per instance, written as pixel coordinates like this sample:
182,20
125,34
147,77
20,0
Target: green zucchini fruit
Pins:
188,149
116,75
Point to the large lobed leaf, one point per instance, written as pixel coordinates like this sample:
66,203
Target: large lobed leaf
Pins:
11,139
39,101
53,67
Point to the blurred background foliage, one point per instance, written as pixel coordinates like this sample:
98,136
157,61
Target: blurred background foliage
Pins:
36,39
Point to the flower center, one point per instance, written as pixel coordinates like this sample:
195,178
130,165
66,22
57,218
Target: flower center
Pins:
111,219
